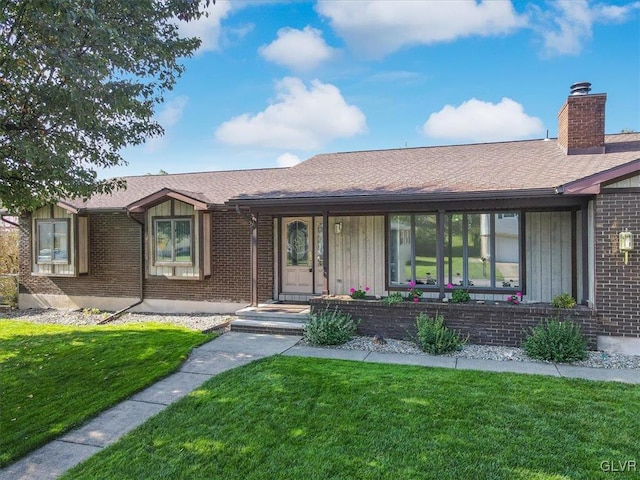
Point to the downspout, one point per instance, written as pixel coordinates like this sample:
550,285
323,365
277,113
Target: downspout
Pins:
2,217
115,315
253,267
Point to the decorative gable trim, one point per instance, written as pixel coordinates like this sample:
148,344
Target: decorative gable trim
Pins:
160,196
592,184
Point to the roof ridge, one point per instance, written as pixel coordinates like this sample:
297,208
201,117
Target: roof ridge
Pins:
164,175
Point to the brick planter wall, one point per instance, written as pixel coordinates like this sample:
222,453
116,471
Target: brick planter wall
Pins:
503,325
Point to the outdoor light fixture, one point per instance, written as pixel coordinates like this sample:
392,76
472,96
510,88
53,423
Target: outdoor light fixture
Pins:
338,227
625,241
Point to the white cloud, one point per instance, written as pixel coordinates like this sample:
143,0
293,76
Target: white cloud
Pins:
288,160
171,112
207,28
378,27
298,49
169,115
479,121
568,25
300,118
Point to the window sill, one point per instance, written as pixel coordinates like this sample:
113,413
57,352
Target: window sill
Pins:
175,277
172,265
42,274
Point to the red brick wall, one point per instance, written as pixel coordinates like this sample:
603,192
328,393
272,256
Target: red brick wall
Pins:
581,122
617,285
503,325
115,263
230,266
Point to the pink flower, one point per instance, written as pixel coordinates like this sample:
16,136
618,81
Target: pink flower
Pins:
366,289
415,299
352,290
519,294
449,285
509,298
412,284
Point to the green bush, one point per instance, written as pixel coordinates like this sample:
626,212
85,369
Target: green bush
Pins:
556,341
329,328
435,338
460,296
564,300
395,297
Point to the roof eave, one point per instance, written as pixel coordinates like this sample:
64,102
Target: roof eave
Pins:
431,197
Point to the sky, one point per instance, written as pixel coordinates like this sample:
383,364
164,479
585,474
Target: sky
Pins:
276,82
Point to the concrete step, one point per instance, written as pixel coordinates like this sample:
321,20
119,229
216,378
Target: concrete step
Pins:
281,327
288,313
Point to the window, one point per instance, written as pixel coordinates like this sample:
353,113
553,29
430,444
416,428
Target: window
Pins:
298,244
480,250
173,241
52,241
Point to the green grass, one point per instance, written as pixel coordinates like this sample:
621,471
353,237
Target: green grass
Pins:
426,265
55,377
303,418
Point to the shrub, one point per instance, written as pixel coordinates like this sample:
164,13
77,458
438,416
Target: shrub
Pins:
564,300
395,297
556,341
435,338
460,296
329,328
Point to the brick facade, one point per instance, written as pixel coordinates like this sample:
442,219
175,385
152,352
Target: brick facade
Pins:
617,284
114,258
114,261
502,325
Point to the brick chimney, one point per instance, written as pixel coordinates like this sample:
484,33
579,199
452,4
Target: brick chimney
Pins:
581,121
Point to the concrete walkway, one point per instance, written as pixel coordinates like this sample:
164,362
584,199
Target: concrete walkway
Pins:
229,351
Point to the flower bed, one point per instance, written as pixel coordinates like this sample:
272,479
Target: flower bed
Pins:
486,324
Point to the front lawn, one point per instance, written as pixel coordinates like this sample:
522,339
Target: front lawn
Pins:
54,377
304,418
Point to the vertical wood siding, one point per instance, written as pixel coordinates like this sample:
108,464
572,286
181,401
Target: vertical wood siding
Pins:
626,183
356,255
548,255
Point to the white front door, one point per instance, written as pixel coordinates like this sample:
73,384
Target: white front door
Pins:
297,255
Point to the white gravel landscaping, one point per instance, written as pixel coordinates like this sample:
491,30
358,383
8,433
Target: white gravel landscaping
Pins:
595,359
196,321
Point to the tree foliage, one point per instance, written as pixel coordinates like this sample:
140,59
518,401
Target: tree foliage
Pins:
79,80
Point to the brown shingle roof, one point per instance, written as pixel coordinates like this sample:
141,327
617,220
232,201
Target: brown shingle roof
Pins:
214,188
490,167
